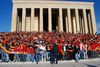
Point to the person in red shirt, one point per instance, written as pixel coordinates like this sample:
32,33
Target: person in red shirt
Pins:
60,51
16,54
31,51
25,49
28,54
21,47
22,55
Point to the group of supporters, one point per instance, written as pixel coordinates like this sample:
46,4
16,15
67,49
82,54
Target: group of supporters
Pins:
48,46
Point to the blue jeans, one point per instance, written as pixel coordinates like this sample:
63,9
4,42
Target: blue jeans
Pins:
21,57
40,56
36,57
5,57
82,54
24,57
53,57
28,57
16,57
77,56
32,57
47,56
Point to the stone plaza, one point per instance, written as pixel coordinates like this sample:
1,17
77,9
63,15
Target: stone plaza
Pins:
72,63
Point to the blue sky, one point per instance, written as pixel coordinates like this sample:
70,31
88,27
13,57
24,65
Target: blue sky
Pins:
6,14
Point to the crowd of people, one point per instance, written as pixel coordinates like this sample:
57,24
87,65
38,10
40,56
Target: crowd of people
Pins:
48,46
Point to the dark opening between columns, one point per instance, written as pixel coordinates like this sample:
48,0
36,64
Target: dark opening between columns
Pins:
28,21
89,21
37,14
45,19
19,19
64,19
72,18
55,17
81,21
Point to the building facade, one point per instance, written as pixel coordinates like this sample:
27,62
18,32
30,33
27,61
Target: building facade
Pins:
48,15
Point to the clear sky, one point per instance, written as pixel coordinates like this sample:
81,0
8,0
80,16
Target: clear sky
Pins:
6,14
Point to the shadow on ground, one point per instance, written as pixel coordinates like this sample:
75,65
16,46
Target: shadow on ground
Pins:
89,65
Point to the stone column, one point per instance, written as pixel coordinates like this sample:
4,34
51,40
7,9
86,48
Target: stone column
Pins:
69,21
80,20
61,20
93,20
23,19
89,20
77,20
85,21
18,24
41,20
14,19
32,19
49,20
66,24
74,25
83,27
28,25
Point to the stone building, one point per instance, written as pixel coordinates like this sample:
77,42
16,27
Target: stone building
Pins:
53,15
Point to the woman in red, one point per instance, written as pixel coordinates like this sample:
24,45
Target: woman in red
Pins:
60,51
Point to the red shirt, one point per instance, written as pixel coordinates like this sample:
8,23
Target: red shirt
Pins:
25,49
16,49
59,48
4,42
21,47
31,50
